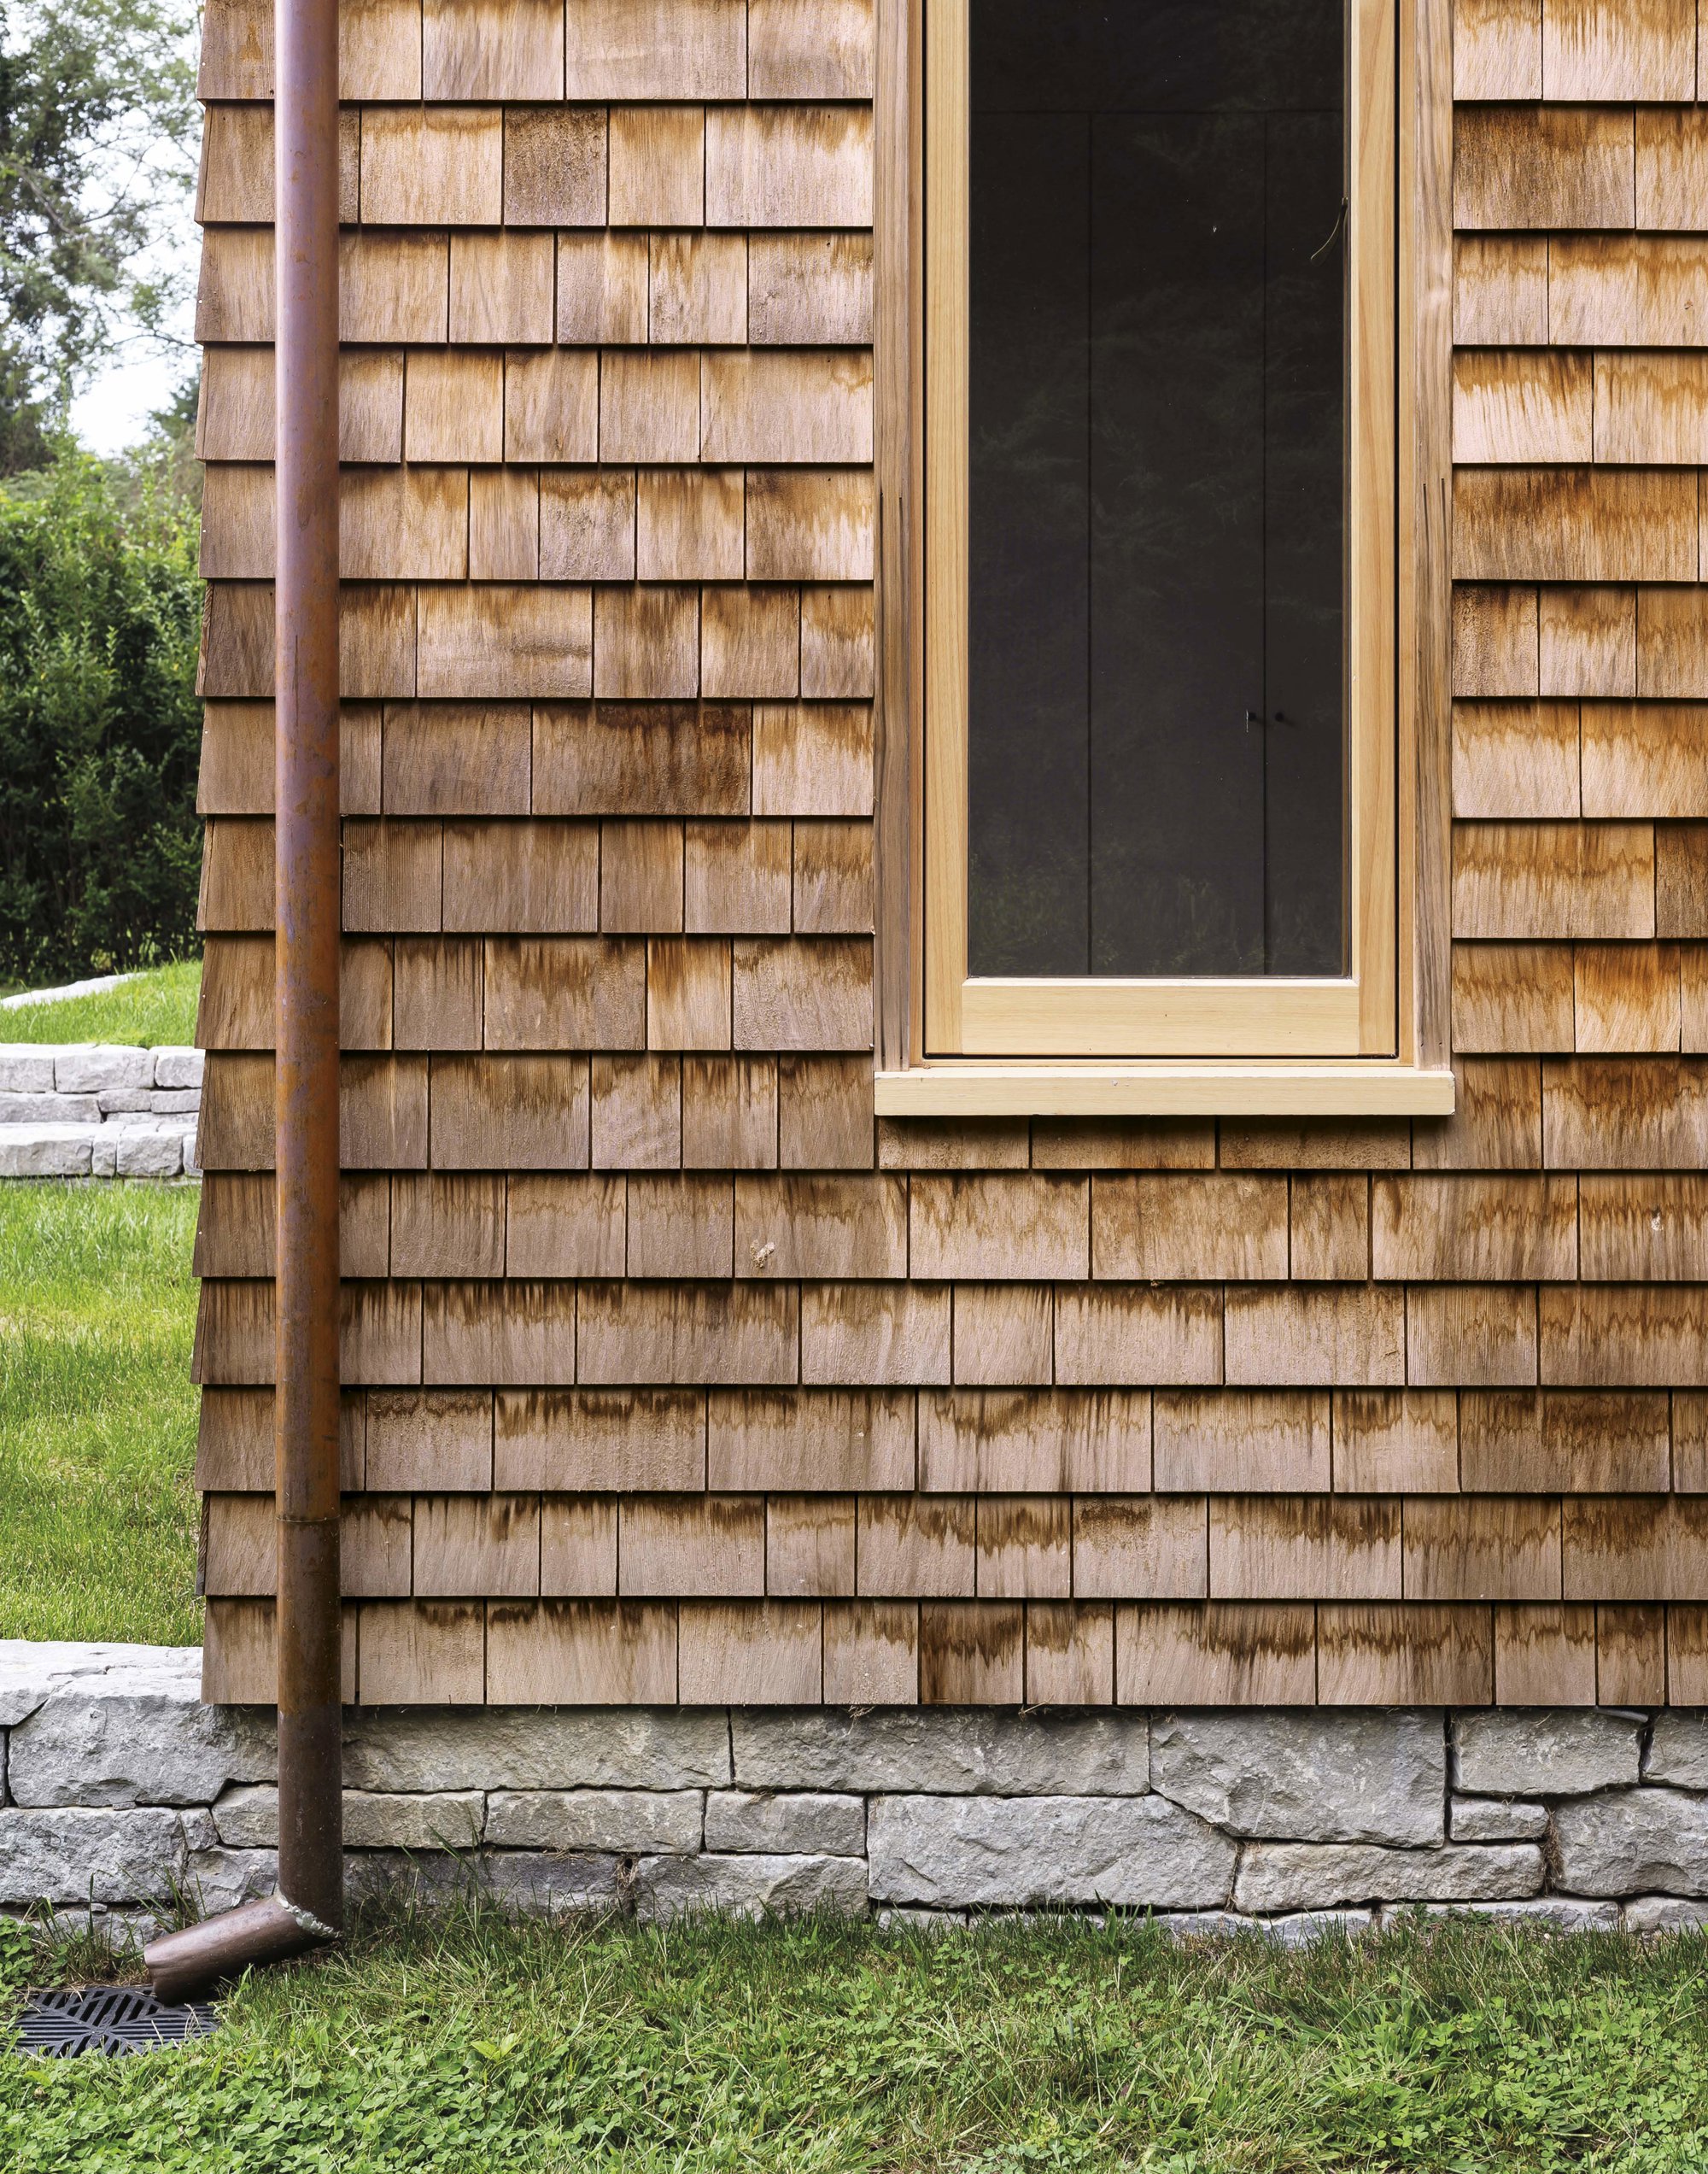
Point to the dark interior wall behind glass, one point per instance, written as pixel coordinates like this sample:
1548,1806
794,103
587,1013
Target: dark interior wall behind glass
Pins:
1157,488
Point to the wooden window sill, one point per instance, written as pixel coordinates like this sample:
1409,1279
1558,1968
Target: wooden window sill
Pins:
957,1089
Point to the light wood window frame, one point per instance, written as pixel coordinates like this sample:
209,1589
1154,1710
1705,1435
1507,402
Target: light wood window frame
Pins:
1373,1040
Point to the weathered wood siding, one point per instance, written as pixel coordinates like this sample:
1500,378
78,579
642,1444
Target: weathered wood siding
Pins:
673,1375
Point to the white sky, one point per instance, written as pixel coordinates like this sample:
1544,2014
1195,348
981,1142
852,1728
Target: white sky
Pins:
112,411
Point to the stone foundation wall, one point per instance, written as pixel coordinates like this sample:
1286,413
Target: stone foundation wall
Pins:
121,1791
89,1109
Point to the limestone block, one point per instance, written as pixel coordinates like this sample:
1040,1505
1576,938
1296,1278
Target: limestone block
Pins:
1524,1752
407,1749
55,1151
1496,1819
49,1110
247,1819
747,1885
126,1102
630,1821
521,1879
176,1067
103,1152
31,1670
220,1880
85,1068
944,1750
1664,1914
790,1823
903,1918
146,1152
1678,1750
191,1148
1631,1840
1142,1852
27,1066
1304,1776
1551,1913
175,1102
129,1739
1198,1925
68,1855
1301,1929
1285,1876
124,1933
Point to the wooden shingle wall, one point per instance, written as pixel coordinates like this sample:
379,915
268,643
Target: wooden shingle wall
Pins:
671,1373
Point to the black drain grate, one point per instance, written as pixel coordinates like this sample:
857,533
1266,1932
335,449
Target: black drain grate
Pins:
108,2019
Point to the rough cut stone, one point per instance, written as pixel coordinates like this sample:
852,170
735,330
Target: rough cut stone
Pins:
531,1748
177,1067
747,1885
130,1738
1306,1777
1664,1914
84,1067
31,1669
219,1879
1297,1929
792,1823
1632,1839
126,1102
1286,1875
1496,1819
1142,1852
247,1819
522,1880
27,1068
1678,1750
630,1821
46,1151
943,1750
149,1154
49,1110
1553,1913
903,1918
64,1856
1520,1753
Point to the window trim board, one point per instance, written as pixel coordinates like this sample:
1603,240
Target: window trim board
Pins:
1413,635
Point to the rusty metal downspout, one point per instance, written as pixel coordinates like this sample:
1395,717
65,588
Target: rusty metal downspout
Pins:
307,1906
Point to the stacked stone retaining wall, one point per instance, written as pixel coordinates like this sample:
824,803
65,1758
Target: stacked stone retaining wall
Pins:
94,1109
124,1793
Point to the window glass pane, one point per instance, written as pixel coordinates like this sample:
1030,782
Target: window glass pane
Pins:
1157,488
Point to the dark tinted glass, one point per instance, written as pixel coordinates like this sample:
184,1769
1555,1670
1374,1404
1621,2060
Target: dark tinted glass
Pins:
1156,735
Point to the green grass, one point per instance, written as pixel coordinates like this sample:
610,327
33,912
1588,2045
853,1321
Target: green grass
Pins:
153,1008
97,1415
477,2046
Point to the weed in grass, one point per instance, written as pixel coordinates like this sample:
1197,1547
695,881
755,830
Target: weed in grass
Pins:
97,1412
462,2041
150,1010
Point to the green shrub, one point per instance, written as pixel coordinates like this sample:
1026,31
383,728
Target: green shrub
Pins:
100,620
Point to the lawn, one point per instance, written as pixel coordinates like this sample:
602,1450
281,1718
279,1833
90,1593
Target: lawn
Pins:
149,1010
478,2046
97,1416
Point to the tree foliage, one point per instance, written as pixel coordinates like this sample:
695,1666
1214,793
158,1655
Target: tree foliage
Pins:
97,138
100,618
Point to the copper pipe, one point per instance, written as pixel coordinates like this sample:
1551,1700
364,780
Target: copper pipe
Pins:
186,1963
309,1905
306,1396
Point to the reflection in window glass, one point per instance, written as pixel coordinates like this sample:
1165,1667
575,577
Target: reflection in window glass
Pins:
1157,488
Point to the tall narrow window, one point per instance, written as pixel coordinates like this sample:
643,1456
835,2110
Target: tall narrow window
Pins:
1160,555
